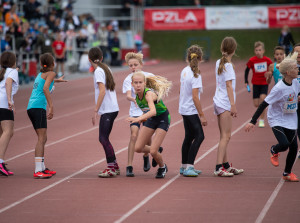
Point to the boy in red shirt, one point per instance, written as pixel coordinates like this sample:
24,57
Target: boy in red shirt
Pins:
59,49
259,65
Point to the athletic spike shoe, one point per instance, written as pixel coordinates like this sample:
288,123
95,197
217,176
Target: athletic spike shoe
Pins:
108,172
223,173
190,172
181,170
117,169
274,159
198,171
291,178
146,163
41,175
161,172
129,171
234,170
47,171
154,163
3,169
261,123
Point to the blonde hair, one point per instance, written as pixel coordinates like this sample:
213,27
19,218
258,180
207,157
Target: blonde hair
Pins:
194,54
228,46
133,55
159,84
287,63
259,43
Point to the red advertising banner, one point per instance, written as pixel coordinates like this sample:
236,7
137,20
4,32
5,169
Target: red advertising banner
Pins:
174,19
285,15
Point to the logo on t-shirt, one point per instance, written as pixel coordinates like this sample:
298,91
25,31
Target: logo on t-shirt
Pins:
260,67
290,105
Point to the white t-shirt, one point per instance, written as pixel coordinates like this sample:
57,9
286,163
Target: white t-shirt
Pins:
221,98
133,110
283,103
13,74
187,83
109,103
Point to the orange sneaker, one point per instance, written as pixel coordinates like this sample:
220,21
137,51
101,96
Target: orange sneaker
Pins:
41,175
51,172
274,159
291,178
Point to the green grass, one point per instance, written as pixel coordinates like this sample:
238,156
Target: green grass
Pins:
171,45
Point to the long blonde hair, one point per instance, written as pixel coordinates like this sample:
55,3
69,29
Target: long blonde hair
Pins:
228,46
159,84
194,54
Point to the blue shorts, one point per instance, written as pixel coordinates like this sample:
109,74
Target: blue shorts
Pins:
162,121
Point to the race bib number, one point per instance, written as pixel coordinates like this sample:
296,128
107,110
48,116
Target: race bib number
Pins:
290,106
260,67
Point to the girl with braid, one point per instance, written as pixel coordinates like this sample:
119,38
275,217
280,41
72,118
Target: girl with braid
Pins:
106,106
224,105
190,108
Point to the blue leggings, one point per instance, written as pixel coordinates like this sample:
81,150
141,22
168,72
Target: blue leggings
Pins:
105,127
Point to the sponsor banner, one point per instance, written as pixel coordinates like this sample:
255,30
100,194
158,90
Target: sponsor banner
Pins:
284,15
174,19
236,17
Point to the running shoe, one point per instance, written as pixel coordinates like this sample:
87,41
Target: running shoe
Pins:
261,123
274,159
161,172
181,170
41,175
146,163
223,173
47,171
291,178
3,169
234,170
154,163
108,172
129,171
117,169
190,172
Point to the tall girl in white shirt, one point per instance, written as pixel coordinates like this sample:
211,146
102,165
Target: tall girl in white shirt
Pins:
224,106
190,108
9,84
282,116
106,106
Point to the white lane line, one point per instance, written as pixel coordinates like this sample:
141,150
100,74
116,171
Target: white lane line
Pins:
152,195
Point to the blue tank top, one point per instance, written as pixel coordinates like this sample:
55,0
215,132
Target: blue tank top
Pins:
38,98
276,74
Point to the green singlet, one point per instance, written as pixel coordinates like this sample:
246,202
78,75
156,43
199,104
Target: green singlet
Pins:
143,104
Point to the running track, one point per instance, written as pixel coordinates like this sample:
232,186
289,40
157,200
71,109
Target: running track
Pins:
76,194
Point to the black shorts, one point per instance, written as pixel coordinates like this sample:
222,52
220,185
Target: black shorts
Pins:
135,123
60,60
259,90
6,114
38,118
162,121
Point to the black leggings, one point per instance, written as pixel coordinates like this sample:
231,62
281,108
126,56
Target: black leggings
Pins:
105,127
287,138
193,138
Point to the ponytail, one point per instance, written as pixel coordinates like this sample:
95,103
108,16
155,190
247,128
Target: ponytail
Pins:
2,72
223,61
194,55
194,64
109,79
160,85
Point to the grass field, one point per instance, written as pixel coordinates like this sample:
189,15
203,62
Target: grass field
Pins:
171,45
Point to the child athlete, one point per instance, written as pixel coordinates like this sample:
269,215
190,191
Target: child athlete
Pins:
224,105
259,65
156,116
190,108
282,116
9,84
36,111
273,71
135,63
106,106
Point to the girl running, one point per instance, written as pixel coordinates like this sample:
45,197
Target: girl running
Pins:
36,110
224,105
156,116
190,108
282,116
9,84
273,71
106,106
135,63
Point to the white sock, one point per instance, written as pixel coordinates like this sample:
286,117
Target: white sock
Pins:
38,164
43,164
1,161
189,165
183,166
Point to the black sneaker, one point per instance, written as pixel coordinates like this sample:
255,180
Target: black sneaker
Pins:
161,172
154,163
146,163
129,172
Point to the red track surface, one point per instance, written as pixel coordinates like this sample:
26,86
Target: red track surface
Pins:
76,194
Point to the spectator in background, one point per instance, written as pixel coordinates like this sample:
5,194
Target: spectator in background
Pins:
11,17
6,43
103,38
32,10
59,50
138,41
91,29
125,11
114,46
51,22
44,41
286,40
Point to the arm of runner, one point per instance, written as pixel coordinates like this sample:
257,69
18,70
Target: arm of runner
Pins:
256,115
229,88
130,98
8,87
197,103
246,75
49,78
269,73
99,101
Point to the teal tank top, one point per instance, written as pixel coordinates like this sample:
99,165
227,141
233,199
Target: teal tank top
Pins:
143,104
38,98
276,74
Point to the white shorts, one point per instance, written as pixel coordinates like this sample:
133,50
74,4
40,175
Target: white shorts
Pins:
218,110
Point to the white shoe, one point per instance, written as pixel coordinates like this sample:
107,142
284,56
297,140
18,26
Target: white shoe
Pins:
222,173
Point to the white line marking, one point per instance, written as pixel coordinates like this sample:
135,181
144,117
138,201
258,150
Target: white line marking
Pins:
149,197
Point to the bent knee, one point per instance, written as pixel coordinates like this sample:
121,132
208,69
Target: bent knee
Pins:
133,137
